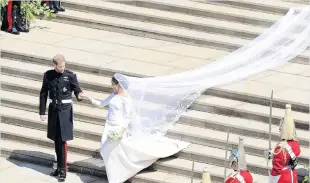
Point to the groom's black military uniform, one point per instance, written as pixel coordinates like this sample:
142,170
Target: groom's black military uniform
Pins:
59,88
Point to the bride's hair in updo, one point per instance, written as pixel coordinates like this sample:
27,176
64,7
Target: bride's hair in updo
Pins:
115,81
121,81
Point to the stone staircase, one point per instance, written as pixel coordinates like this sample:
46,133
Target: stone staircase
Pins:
219,28
226,34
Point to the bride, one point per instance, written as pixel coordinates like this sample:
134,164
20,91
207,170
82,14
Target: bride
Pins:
125,154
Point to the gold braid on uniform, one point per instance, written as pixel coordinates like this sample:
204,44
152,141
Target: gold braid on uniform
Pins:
282,149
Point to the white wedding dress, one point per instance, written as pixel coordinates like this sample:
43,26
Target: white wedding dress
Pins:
127,157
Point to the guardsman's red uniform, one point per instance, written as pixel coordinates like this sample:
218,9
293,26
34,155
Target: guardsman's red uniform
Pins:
243,176
281,168
238,164
284,156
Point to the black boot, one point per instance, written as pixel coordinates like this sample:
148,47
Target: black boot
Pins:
62,175
14,30
25,27
55,173
5,24
19,25
58,8
52,5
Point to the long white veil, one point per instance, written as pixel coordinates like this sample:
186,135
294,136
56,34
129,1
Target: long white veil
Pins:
158,102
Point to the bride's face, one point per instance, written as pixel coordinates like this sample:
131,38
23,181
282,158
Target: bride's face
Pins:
115,87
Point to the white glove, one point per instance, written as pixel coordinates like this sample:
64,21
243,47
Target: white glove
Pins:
268,154
274,179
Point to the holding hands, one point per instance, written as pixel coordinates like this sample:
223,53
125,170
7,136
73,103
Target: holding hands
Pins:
83,96
43,117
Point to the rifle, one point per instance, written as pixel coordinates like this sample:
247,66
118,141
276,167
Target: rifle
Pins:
226,155
270,122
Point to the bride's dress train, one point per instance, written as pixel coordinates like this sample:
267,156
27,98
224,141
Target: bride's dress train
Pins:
123,159
127,157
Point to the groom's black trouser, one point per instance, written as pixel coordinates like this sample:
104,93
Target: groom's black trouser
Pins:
61,147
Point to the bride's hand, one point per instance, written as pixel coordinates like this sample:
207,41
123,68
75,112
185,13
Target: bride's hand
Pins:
121,132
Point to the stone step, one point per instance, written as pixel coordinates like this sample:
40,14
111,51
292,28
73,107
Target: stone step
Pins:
162,32
237,125
243,91
204,103
77,163
216,26
36,153
196,135
207,10
247,110
275,6
186,169
166,18
297,2
224,92
195,152
150,30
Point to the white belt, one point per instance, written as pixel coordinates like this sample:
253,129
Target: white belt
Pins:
240,178
287,168
290,152
67,101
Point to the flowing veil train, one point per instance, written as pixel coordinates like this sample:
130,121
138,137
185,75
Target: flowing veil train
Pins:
158,102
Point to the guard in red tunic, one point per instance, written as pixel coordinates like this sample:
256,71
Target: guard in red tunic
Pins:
284,155
240,173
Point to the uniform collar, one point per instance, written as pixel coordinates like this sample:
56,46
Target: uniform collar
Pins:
59,74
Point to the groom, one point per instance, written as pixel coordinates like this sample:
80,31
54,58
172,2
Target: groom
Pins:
59,84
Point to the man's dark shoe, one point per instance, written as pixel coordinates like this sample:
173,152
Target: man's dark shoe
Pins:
22,29
14,31
53,9
58,8
55,173
62,175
